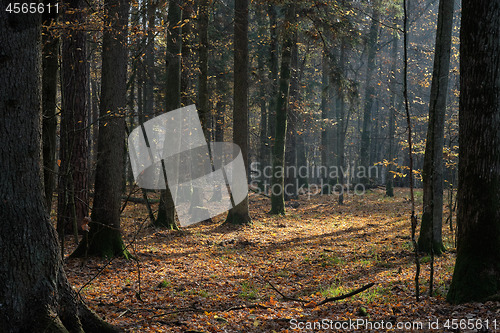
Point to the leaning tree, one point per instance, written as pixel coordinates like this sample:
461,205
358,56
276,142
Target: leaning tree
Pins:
35,295
477,269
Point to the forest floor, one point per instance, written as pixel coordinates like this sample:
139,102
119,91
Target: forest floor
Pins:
210,277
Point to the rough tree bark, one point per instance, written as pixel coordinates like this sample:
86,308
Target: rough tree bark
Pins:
477,269
34,291
73,171
432,172
104,238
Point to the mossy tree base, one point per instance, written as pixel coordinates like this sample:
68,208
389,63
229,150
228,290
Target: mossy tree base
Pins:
424,239
238,219
166,213
474,280
104,243
239,214
277,205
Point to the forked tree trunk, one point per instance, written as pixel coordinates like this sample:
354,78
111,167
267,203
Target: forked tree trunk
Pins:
34,291
477,269
104,238
432,172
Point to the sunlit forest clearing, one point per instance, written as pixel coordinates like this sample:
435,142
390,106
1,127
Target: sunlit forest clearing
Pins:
190,280
174,166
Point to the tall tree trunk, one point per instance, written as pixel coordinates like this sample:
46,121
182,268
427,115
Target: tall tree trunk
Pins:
203,98
389,182
277,185
239,214
325,83
149,60
104,238
50,66
369,92
291,188
264,152
264,142
341,126
35,293
187,97
477,269
432,172
73,173
166,213
273,77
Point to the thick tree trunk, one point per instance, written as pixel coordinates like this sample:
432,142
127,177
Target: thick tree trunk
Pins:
166,213
104,238
278,181
239,214
50,66
73,172
477,269
34,291
432,172
369,92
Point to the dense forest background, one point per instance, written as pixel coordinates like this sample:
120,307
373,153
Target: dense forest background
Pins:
347,115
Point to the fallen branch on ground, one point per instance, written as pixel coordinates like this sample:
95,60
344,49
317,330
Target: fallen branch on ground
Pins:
326,300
